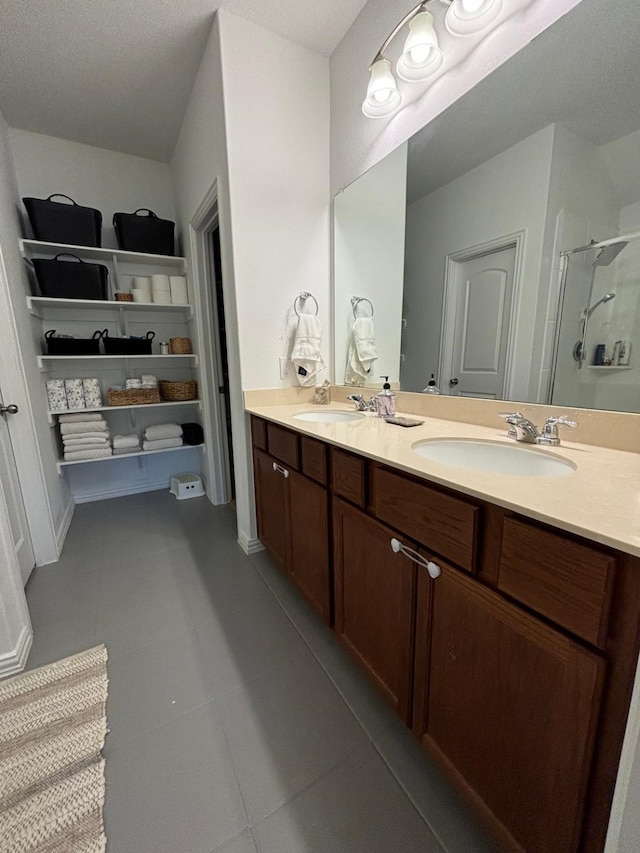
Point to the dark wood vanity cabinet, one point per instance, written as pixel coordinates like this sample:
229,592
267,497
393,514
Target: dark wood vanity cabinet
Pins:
514,667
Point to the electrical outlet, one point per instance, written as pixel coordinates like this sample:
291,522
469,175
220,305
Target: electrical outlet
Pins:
284,368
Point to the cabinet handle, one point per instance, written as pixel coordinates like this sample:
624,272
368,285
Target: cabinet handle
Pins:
282,470
433,568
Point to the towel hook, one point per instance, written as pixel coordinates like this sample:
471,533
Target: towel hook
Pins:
303,297
356,300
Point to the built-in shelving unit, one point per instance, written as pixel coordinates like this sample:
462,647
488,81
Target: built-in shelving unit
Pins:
161,405
61,464
609,366
37,304
44,359
91,253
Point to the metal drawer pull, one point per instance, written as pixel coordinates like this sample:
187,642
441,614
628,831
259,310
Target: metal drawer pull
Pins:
433,568
282,470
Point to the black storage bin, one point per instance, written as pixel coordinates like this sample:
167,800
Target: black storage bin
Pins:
147,234
127,346
57,222
72,346
75,279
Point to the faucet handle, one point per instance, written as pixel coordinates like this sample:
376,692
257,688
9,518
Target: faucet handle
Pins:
563,420
549,435
510,416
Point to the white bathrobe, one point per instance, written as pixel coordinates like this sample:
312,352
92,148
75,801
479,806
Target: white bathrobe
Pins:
305,355
361,353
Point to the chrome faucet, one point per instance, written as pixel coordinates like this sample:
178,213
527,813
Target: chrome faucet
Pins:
524,430
362,405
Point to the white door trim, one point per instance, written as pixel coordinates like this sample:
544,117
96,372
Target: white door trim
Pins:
447,331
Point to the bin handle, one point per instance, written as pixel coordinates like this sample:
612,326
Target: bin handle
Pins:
68,255
100,334
149,336
49,334
150,212
62,195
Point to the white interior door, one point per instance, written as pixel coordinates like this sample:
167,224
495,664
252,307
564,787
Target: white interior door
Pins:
484,293
10,486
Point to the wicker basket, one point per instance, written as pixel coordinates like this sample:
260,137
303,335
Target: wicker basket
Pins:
176,391
124,297
132,396
180,346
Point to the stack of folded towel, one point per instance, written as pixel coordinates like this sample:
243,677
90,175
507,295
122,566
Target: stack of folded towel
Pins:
123,444
162,436
84,436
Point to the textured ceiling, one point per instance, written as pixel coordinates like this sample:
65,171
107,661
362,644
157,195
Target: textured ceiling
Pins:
118,73
583,71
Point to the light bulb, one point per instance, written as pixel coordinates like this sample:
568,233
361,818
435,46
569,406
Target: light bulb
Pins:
472,6
383,97
421,56
468,17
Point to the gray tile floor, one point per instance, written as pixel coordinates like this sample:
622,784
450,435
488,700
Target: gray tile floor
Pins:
237,723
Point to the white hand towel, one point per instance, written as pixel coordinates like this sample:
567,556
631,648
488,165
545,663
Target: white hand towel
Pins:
83,426
122,441
77,455
79,418
94,436
95,439
162,443
305,354
159,431
361,353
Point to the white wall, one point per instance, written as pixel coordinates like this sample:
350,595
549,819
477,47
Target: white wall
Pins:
47,499
94,177
505,195
257,123
368,236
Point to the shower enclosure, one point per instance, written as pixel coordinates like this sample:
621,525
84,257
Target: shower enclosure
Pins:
597,347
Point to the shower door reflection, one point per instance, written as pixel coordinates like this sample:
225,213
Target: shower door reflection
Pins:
597,363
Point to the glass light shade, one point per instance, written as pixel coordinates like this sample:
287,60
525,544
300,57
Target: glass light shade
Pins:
383,97
421,56
467,17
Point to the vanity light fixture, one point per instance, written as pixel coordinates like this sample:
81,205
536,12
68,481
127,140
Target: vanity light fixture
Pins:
421,56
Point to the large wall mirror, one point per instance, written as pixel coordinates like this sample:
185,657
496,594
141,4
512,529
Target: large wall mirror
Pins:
462,243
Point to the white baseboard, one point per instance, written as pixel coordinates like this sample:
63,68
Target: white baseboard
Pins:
63,529
249,546
15,661
122,493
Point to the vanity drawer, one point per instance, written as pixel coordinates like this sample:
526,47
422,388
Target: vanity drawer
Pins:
566,581
348,476
259,433
283,444
437,520
314,459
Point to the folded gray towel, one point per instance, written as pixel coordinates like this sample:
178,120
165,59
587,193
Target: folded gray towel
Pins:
78,455
79,418
162,444
83,426
161,431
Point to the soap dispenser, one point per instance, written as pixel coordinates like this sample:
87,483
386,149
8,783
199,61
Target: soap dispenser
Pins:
386,400
431,388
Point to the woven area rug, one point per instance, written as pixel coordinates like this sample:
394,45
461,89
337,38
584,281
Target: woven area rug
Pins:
52,728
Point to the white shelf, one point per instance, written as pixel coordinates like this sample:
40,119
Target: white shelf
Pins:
62,464
35,305
609,366
44,359
31,247
162,404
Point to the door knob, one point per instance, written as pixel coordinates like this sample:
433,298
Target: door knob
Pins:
453,382
11,409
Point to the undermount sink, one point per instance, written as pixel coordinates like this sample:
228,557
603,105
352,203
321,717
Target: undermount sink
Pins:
517,460
328,417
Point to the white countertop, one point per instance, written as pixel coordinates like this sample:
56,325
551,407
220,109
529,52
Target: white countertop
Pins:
600,500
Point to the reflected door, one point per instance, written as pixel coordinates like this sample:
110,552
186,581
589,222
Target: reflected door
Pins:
481,324
10,486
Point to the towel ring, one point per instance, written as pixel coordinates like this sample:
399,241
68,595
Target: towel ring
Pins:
304,296
356,300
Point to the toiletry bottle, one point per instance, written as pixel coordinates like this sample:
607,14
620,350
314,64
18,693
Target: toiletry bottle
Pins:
431,388
386,400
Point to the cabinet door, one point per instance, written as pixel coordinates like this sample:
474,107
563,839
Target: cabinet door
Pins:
510,706
309,528
272,506
374,602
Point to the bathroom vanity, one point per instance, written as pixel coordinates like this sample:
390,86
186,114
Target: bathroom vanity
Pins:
507,642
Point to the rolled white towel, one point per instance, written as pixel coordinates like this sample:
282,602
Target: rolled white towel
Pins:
122,441
79,418
95,439
161,431
77,455
162,443
83,426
